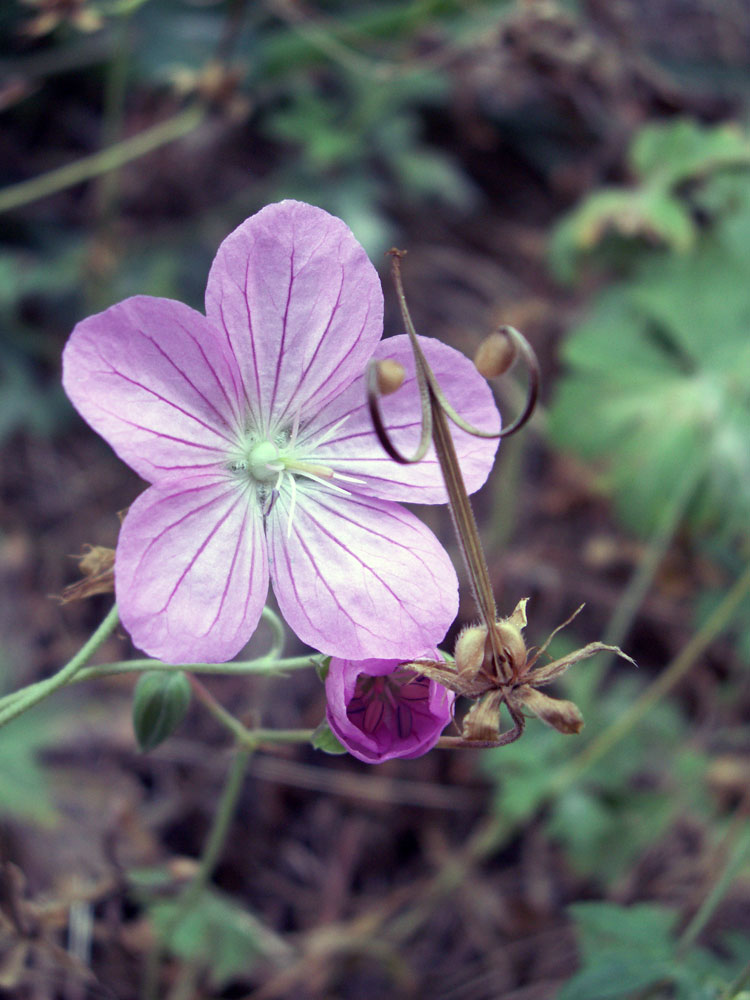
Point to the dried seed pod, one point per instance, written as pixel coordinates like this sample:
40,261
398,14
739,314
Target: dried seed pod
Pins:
390,375
496,354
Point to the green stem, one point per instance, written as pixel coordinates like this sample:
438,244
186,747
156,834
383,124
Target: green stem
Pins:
262,667
640,582
24,700
734,862
102,162
734,989
664,683
245,737
209,859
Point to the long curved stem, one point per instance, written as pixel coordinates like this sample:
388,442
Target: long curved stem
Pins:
102,162
15,705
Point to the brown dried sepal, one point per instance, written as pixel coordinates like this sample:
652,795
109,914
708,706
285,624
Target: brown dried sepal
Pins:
97,563
564,716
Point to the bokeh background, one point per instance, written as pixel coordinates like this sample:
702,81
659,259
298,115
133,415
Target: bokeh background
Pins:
580,170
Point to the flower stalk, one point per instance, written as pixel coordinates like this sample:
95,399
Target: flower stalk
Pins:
492,664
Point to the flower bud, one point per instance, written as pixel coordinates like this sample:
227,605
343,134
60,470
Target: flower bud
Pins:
390,375
160,703
495,355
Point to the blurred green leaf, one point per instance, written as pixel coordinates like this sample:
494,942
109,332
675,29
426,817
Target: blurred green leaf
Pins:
617,223
215,933
24,789
658,386
627,949
685,149
650,214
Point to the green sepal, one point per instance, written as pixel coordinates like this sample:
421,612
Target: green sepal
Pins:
323,739
160,703
321,668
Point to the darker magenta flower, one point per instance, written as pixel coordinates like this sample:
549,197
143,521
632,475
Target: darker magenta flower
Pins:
379,709
252,427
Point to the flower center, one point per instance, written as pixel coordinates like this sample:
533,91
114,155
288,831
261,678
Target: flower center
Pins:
388,700
263,462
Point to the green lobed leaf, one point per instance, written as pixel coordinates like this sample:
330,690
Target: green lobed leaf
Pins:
658,385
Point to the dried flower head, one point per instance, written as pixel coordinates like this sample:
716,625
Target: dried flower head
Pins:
512,679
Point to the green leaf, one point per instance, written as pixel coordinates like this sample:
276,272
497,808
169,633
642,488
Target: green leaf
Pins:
24,790
685,150
658,385
323,739
614,975
607,926
215,933
160,703
650,214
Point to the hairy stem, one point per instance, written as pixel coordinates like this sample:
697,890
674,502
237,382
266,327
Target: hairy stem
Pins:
21,701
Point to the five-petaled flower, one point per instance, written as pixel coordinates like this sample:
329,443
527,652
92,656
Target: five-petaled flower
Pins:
251,425
379,709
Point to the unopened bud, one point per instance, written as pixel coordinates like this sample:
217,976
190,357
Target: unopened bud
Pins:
495,354
390,375
160,703
564,716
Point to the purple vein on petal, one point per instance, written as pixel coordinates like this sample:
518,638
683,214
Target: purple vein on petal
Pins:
221,416
161,434
231,403
284,323
251,337
198,552
227,586
169,500
320,404
312,561
167,402
338,542
321,342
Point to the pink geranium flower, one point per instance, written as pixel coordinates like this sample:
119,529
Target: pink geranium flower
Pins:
379,709
251,424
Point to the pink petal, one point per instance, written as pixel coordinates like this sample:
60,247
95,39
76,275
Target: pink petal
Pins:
153,377
300,305
191,573
358,577
413,731
355,450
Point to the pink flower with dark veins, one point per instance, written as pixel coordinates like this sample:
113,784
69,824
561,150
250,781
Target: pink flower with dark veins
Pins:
252,427
379,709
